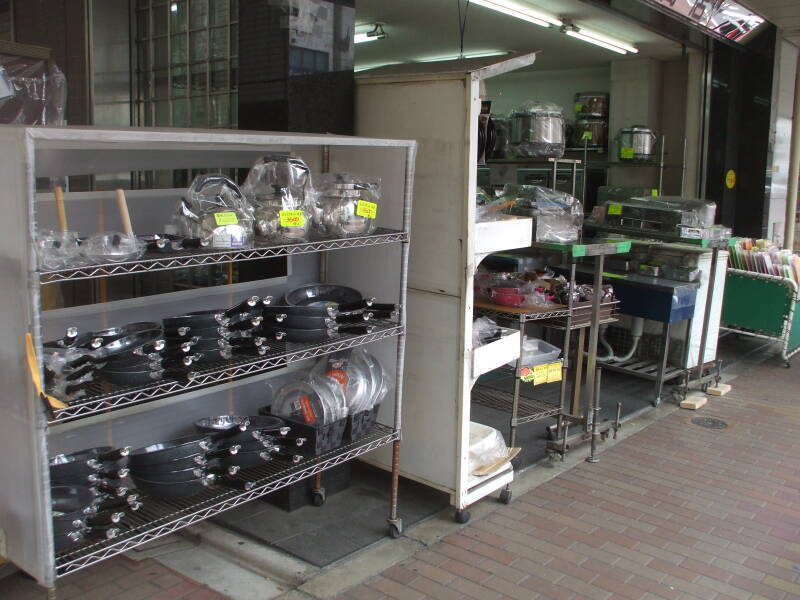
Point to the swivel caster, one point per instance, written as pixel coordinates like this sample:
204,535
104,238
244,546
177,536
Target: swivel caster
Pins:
395,528
462,516
318,497
505,496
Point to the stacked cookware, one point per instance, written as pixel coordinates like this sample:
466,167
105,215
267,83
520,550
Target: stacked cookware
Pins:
591,120
89,498
320,311
210,336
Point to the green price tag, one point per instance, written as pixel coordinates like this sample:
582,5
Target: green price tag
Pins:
615,209
614,275
225,218
292,218
578,107
368,210
587,135
626,152
654,192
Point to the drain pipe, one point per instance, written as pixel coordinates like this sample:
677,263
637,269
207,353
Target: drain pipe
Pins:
637,329
794,166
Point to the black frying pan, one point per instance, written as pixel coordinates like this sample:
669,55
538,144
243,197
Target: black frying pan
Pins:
288,334
182,489
249,459
132,378
114,333
178,448
308,322
66,540
128,343
201,319
317,294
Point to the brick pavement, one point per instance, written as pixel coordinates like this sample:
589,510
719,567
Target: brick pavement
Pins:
675,511
115,579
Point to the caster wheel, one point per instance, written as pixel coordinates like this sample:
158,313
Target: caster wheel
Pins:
318,497
505,496
787,365
462,516
395,529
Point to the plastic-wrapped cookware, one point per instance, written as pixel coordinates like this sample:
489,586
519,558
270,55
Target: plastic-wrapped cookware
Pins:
347,205
317,401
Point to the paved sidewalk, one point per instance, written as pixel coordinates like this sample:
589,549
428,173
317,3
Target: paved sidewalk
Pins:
116,579
674,511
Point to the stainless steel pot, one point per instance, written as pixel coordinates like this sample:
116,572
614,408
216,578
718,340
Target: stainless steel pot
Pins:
636,143
538,133
592,105
597,130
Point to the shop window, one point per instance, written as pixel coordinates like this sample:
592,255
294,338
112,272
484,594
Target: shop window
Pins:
303,61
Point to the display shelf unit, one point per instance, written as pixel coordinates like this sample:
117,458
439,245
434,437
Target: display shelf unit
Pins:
104,397
527,409
447,244
158,261
377,265
160,517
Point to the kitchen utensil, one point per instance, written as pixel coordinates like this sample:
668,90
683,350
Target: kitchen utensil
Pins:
591,105
298,322
181,489
595,131
317,401
346,205
216,212
636,143
319,294
228,422
178,448
114,333
289,334
505,296
537,130
58,249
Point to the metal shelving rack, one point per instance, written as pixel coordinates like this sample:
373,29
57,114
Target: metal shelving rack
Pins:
29,432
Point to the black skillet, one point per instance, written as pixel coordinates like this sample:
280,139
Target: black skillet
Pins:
182,489
306,322
179,448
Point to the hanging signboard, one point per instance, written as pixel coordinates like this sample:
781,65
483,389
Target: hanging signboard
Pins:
723,19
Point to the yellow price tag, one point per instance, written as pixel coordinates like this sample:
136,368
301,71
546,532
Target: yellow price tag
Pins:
292,218
615,209
225,218
553,372
539,374
368,210
626,152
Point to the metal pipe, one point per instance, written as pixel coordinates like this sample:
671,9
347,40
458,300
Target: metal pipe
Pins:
395,477
712,274
661,167
592,458
594,332
794,166
618,419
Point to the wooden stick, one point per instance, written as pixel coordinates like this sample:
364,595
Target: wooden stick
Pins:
123,212
62,213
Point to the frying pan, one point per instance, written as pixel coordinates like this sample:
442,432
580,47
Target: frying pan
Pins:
178,448
182,489
66,540
280,312
318,294
249,459
164,476
118,346
73,340
263,423
70,501
296,335
98,453
187,462
201,319
314,322
83,474
113,333
132,378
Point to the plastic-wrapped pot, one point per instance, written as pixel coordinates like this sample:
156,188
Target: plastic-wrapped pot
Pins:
216,212
347,205
278,188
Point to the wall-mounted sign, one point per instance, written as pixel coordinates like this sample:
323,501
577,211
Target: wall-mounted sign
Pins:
723,19
730,179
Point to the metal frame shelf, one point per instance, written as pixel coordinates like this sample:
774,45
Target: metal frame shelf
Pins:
528,409
155,261
108,397
160,517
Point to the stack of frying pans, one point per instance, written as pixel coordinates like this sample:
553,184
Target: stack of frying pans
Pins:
118,355
320,311
260,439
88,498
210,336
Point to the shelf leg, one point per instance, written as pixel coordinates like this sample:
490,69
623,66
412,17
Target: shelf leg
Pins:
575,409
592,458
594,332
712,275
662,364
393,518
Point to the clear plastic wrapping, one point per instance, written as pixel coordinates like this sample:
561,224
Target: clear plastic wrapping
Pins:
347,205
317,401
537,130
113,247
483,329
559,216
694,212
57,249
280,192
362,377
486,447
215,211
33,91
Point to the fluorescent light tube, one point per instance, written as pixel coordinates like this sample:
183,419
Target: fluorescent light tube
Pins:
594,41
456,56
608,40
520,11
360,38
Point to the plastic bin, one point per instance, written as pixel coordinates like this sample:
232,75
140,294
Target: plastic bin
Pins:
537,352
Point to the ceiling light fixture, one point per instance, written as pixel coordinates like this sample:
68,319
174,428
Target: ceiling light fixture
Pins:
374,33
456,57
520,11
597,39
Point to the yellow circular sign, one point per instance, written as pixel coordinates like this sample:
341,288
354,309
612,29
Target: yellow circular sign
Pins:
730,179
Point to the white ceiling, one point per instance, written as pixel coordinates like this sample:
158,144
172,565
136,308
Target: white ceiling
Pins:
785,14
419,29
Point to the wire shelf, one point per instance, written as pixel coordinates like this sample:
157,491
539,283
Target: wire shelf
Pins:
528,410
155,261
103,397
159,517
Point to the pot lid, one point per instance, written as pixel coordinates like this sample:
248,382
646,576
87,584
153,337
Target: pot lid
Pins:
637,129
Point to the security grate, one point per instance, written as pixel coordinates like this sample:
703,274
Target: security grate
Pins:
104,397
154,261
160,517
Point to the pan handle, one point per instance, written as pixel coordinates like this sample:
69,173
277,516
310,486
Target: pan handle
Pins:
353,306
353,318
245,324
356,329
106,517
114,454
387,307
236,484
384,314
292,458
110,488
267,300
70,335
85,370
243,307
